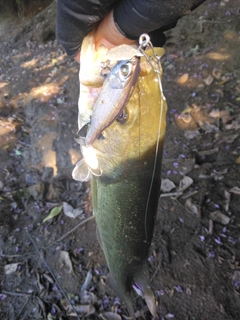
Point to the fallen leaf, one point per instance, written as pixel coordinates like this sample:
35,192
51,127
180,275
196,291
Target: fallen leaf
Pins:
85,309
235,190
11,268
217,73
87,281
191,207
183,78
230,138
185,183
70,212
65,260
167,185
54,212
219,217
234,125
209,80
227,197
224,80
238,160
191,134
225,116
110,316
208,127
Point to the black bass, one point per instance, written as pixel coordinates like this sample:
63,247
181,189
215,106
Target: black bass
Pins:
125,171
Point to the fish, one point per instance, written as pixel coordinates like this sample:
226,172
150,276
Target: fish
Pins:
118,85
125,169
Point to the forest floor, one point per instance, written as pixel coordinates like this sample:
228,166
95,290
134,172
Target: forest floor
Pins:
194,258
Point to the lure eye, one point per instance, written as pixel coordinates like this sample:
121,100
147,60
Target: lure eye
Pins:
122,117
125,70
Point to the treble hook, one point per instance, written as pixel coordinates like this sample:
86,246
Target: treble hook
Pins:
105,69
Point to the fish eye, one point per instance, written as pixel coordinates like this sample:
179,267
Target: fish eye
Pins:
125,70
122,117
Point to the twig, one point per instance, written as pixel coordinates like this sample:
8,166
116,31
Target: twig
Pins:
69,232
52,274
171,194
18,294
51,244
154,275
24,305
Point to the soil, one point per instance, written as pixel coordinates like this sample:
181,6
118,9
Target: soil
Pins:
194,258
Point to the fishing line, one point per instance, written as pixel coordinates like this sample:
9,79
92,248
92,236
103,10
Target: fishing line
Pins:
52,274
144,41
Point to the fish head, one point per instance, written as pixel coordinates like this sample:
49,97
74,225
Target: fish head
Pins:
115,93
136,129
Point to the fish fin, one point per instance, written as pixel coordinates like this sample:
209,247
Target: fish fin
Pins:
81,171
123,295
150,301
83,131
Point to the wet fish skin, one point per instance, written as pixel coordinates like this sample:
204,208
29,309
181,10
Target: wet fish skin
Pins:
127,157
116,91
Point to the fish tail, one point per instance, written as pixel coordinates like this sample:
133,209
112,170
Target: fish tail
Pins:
141,279
123,294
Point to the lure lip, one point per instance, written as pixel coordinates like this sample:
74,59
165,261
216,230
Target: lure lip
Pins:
97,126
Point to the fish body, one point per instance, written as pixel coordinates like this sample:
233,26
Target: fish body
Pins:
125,183
125,170
116,90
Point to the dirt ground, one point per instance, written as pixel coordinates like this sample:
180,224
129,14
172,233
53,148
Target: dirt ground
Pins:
195,254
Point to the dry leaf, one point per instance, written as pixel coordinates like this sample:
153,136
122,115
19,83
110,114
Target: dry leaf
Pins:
208,80
215,113
234,125
11,268
183,78
185,183
110,316
167,185
85,309
225,116
235,190
217,73
191,207
191,134
230,138
65,260
219,217
70,212
227,197
87,281
87,297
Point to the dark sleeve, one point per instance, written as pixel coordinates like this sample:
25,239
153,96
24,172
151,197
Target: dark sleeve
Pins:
134,17
76,18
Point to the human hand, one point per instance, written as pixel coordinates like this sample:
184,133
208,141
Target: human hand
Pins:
106,34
